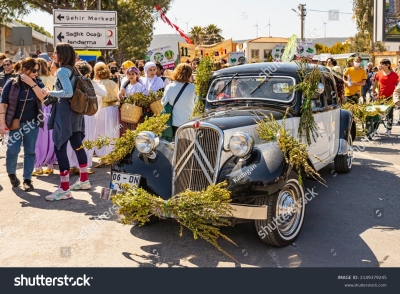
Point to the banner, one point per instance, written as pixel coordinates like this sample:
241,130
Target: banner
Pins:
277,53
191,51
237,57
167,56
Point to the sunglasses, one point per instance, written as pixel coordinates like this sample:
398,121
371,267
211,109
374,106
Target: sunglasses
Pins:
34,70
6,64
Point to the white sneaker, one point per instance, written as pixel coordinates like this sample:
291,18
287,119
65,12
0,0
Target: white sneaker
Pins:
59,194
80,185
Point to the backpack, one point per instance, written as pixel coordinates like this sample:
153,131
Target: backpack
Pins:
84,99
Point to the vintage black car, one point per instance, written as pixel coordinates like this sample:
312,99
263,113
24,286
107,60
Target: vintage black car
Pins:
224,146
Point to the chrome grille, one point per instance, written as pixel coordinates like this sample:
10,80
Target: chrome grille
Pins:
197,156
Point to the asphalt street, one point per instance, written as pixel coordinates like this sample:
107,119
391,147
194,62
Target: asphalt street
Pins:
353,222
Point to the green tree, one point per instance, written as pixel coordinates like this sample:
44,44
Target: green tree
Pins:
135,19
208,35
36,28
196,35
212,34
13,9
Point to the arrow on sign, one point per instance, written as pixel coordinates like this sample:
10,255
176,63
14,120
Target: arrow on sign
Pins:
60,37
60,17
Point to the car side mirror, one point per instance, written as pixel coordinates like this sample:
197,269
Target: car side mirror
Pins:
320,89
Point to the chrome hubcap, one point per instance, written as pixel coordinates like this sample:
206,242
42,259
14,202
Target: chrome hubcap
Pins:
289,210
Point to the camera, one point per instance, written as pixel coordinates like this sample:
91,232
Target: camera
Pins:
49,100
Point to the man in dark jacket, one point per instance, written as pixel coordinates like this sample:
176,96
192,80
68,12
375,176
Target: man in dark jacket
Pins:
7,73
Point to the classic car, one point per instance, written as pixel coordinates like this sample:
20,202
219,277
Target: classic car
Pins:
224,146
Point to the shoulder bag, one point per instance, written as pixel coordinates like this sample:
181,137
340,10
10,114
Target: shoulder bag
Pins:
16,122
168,134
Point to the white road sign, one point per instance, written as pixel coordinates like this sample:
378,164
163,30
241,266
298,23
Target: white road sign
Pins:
87,38
84,17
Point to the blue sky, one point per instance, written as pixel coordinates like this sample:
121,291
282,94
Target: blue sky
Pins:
238,18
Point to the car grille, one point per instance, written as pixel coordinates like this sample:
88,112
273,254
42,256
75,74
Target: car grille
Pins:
197,155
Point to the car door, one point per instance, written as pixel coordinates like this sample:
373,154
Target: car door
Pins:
320,147
333,114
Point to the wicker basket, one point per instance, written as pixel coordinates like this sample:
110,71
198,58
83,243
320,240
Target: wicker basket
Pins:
131,113
156,107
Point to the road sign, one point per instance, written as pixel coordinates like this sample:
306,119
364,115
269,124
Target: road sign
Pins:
87,38
84,17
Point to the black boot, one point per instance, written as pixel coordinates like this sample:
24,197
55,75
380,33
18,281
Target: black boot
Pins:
14,180
28,185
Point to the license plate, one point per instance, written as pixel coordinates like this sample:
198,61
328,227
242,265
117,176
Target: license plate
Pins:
117,179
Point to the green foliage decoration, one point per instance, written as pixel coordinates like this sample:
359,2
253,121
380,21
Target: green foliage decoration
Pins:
124,145
295,152
201,82
310,76
201,212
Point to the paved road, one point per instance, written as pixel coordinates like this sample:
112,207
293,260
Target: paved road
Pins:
354,222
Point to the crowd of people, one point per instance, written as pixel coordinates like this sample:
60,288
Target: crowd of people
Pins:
363,85
35,111
35,108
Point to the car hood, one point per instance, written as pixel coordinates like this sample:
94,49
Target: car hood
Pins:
235,118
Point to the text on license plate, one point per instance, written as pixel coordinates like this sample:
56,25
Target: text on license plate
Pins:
117,179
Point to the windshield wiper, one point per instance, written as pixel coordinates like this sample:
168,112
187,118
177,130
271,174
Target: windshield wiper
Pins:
259,85
230,81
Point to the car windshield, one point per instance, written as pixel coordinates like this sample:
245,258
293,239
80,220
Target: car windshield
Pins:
236,88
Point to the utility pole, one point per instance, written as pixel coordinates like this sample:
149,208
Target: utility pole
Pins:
302,14
98,4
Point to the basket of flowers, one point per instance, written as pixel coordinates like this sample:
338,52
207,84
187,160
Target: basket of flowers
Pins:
155,102
131,110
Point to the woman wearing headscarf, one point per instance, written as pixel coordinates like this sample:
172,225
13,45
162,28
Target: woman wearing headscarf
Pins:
130,87
151,82
108,116
45,155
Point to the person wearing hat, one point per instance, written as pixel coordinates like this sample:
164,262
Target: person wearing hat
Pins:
124,67
46,57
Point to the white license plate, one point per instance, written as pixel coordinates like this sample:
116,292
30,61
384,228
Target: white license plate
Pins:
117,179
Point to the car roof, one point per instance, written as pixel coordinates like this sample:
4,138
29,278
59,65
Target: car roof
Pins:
263,69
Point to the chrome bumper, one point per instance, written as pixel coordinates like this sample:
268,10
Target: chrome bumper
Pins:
343,147
250,212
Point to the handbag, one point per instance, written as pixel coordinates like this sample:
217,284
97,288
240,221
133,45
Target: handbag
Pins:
16,122
168,134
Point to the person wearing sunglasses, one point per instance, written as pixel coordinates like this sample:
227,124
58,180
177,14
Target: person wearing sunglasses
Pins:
7,73
21,99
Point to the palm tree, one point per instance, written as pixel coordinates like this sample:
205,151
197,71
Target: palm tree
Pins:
212,34
196,35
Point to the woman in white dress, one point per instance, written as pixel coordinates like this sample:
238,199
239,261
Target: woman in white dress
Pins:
130,87
90,121
107,118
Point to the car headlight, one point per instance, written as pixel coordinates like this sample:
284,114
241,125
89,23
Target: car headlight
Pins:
241,144
146,142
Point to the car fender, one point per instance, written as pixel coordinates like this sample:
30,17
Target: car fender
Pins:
346,125
156,174
263,173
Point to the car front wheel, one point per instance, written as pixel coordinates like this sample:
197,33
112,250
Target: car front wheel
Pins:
286,210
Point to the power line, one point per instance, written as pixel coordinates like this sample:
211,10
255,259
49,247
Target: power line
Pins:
330,11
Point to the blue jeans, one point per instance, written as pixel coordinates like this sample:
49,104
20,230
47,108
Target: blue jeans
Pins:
27,134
